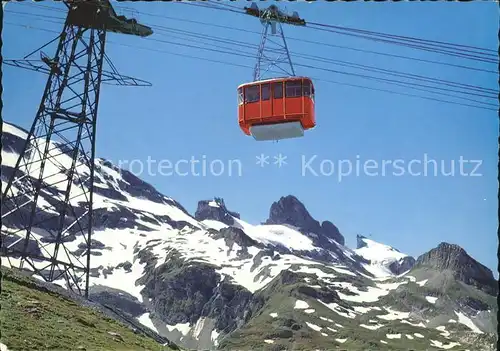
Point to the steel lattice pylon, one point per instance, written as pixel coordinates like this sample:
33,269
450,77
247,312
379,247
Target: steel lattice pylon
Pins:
48,200
273,50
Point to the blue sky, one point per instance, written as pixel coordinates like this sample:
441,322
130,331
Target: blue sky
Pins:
191,112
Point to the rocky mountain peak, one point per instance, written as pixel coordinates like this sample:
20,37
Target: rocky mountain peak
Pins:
215,210
331,231
360,243
290,210
465,268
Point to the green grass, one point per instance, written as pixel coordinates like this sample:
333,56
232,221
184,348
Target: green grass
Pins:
33,318
289,330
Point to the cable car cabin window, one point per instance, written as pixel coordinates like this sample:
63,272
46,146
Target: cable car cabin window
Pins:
240,96
306,89
266,91
252,93
278,90
293,88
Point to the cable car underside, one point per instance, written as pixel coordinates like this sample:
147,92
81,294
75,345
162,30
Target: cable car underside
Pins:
285,130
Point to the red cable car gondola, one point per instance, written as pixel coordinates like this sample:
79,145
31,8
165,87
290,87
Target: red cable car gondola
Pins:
278,108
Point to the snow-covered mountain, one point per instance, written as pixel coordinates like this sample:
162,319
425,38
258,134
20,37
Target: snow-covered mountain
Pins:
212,280
384,260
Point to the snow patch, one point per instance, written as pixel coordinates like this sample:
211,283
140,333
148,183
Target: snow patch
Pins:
463,319
301,305
147,322
214,224
8,128
214,335
444,333
277,235
338,309
393,336
380,256
372,294
371,327
431,299
362,309
419,324
393,315
411,278
313,326
183,328
422,282
198,327
344,271
443,346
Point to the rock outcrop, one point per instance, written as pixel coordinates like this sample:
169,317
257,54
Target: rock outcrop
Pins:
289,210
215,210
466,269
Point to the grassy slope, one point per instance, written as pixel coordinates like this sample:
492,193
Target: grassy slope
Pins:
33,318
282,299
265,327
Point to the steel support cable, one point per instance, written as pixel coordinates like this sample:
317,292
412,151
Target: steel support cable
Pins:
314,78
247,55
344,63
402,84
216,6
212,6
339,62
333,45
325,69
414,46
430,44
301,40
399,83
386,35
435,43
326,44
352,65
236,8
244,66
483,51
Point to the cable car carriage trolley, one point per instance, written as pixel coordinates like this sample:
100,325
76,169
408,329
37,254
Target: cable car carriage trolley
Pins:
275,108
